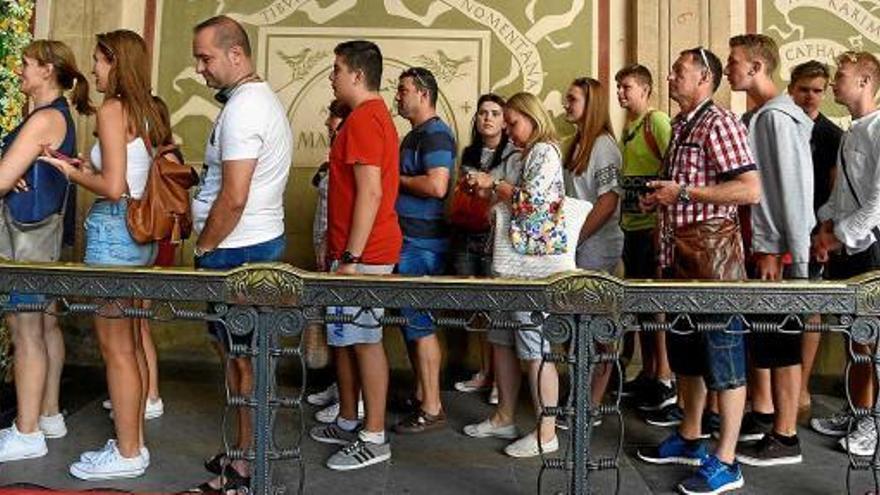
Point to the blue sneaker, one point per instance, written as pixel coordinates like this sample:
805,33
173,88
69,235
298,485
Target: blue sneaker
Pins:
713,478
675,450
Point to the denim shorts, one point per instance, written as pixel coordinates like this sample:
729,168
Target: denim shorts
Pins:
108,241
415,260
366,328
226,258
530,345
718,356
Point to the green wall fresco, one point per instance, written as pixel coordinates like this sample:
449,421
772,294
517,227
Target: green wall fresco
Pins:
820,30
472,46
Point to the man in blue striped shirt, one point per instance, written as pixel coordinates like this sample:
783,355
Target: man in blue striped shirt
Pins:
427,156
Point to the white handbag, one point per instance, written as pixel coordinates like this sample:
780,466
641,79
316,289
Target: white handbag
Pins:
508,263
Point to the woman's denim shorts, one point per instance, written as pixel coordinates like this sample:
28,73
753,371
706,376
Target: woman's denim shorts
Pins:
108,241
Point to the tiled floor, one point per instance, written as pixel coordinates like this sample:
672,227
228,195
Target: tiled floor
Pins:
442,462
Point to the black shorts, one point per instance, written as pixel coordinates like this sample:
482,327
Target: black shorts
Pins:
843,266
639,256
774,350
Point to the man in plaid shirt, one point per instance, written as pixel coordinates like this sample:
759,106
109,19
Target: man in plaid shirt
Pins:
710,171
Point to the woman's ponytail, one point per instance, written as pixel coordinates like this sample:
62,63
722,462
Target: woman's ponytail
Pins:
80,95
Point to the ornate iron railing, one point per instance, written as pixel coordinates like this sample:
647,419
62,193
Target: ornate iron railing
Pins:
575,310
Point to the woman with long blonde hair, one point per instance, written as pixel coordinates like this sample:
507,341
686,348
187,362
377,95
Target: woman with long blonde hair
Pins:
537,229
129,124
31,219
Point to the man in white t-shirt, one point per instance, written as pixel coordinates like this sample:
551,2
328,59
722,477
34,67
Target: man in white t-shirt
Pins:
238,211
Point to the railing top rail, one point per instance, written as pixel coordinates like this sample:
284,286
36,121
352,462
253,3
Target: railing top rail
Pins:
279,284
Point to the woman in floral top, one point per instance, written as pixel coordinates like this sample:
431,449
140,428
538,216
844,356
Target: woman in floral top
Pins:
537,228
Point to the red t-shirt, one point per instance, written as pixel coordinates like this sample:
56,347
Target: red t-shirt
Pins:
367,137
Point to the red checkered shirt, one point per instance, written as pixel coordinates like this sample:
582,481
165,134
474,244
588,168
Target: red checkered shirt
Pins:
716,149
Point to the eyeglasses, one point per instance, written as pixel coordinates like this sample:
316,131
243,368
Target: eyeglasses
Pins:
704,58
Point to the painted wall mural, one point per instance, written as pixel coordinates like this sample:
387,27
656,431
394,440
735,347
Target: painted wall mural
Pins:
820,30
472,46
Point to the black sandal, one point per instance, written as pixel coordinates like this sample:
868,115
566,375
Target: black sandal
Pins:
234,481
216,464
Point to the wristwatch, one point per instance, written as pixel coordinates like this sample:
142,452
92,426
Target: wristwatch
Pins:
348,258
199,252
684,196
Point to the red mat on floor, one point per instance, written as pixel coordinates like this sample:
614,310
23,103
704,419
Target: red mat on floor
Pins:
35,491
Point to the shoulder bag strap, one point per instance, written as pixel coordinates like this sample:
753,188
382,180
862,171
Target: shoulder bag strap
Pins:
650,139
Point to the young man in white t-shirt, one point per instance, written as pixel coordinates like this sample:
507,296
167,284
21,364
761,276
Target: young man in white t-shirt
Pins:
238,212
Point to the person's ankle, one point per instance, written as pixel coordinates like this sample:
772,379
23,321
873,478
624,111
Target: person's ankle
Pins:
547,433
26,428
499,420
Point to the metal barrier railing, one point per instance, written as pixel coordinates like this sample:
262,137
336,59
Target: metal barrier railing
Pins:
576,310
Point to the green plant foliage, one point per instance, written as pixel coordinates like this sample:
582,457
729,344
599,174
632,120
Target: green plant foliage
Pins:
15,18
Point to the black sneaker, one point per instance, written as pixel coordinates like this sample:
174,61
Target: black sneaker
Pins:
655,396
769,451
754,428
635,386
670,415
711,424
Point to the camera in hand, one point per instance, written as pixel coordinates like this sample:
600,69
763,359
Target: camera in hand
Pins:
634,186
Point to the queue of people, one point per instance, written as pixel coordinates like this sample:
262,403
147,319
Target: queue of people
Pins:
780,193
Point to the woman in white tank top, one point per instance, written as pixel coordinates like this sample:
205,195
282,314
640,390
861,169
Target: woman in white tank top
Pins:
117,170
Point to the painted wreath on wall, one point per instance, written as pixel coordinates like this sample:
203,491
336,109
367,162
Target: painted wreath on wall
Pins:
15,19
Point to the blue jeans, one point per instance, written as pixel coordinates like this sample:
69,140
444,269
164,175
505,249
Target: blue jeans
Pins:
226,258
415,260
108,241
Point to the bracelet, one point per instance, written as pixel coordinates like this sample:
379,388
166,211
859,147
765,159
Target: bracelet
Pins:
199,252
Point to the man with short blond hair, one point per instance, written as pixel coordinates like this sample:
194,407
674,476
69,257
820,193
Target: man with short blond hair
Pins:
779,137
850,220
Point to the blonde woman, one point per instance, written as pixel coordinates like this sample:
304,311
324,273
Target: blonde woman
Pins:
536,228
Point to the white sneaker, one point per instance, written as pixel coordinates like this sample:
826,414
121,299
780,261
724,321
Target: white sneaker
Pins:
329,413
91,455
527,446
107,405
486,429
477,383
863,439
325,397
109,465
53,426
493,396
153,409
16,446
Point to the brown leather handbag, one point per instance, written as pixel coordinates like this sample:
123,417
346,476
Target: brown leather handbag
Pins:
163,212
712,249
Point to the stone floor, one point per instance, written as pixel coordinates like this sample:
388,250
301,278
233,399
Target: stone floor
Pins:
443,462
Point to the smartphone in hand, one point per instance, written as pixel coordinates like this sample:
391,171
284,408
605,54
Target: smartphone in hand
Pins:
76,162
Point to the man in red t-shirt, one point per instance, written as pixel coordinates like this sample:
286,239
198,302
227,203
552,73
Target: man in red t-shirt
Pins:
363,236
